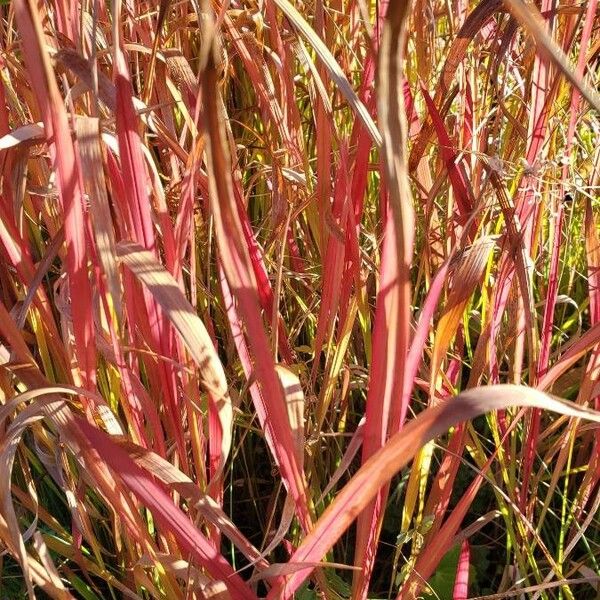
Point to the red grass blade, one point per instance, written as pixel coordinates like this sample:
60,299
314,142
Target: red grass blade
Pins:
392,328
456,172
165,291
69,184
461,585
166,512
238,270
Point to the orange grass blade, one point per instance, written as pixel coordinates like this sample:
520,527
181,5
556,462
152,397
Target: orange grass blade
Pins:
398,451
468,272
570,356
